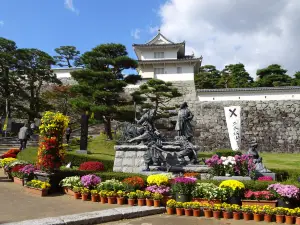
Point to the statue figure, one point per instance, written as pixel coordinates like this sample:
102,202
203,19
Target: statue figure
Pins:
188,150
183,124
259,166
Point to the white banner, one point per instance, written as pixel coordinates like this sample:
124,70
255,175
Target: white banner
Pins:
233,120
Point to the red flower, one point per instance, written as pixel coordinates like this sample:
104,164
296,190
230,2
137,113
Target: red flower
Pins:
12,151
17,168
136,182
8,155
92,166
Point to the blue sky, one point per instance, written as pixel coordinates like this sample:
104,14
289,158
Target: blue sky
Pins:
83,23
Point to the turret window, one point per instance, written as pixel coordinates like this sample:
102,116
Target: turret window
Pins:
159,55
179,69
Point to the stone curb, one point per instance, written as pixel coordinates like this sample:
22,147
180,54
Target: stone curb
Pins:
95,217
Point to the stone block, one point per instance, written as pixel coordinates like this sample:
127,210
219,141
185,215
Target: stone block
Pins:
49,220
128,162
118,162
231,178
119,154
130,154
140,154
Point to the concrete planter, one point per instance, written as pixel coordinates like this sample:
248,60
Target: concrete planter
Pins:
36,191
19,181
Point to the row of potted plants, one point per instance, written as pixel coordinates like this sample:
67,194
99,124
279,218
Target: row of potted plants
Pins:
227,211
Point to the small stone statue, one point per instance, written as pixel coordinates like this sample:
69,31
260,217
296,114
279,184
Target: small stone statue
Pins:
183,125
188,150
259,166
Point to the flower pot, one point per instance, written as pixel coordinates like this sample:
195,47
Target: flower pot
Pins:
236,215
77,195
188,212
36,191
179,211
268,218
170,211
258,217
165,199
182,198
95,198
279,218
196,212
289,219
120,201
260,203
227,215
68,191
103,200
141,202
217,214
207,213
286,204
234,200
149,202
247,216
297,220
131,202
156,203
18,181
84,197
111,200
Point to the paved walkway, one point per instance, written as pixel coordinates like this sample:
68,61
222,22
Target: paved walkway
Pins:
17,205
164,219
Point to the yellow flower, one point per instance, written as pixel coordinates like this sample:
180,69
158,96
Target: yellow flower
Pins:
157,179
233,184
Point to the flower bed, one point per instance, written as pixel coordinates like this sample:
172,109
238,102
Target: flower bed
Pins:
37,187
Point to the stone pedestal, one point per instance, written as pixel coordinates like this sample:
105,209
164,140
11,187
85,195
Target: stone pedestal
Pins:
259,174
231,178
81,151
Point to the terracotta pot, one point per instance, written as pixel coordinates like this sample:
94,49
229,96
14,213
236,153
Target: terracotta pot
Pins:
203,200
217,214
111,200
179,211
131,202
103,200
40,192
188,212
18,181
247,216
207,213
68,191
84,197
236,215
268,218
120,201
149,202
289,219
95,198
141,202
165,199
227,215
279,218
298,221
156,203
196,212
77,195
258,217
170,211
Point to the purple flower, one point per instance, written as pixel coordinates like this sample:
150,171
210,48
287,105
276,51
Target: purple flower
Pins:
28,169
284,191
185,180
90,180
164,190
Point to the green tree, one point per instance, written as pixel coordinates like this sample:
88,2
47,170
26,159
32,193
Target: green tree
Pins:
34,70
156,94
235,76
67,56
7,79
101,83
272,76
296,79
207,77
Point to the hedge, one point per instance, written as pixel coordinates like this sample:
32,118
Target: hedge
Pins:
77,159
227,152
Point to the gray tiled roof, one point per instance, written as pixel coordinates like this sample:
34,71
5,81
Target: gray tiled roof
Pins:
188,59
283,88
159,45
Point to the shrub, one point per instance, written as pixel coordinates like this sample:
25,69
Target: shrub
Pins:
227,152
92,166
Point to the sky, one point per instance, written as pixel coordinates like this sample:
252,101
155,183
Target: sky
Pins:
256,33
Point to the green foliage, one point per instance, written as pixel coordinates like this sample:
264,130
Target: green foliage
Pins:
207,77
157,94
67,55
227,152
272,76
296,80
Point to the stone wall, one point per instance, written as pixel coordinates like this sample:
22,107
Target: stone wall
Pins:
275,125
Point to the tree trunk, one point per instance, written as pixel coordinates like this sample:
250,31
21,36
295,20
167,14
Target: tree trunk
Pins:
107,125
84,131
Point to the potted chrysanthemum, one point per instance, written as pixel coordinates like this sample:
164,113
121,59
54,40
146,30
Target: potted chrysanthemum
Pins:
287,195
234,189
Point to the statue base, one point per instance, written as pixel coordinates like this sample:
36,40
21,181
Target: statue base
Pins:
231,178
260,174
82,152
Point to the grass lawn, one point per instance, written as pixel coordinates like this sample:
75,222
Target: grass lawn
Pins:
100,149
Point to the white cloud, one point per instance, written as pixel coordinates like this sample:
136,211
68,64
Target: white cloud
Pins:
70,6
153,29
256,33
1,23
136,33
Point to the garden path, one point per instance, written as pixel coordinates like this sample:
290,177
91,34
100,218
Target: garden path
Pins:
163,219
17,205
